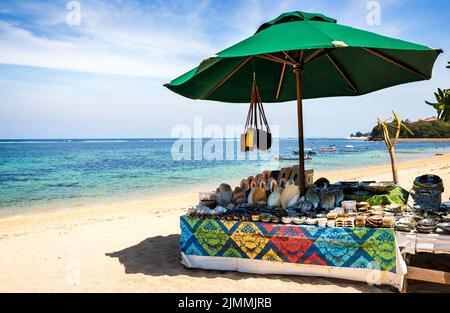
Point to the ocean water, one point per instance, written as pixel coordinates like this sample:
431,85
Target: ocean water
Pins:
36,174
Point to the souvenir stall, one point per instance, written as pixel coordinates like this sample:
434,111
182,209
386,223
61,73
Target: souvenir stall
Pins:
359,231
285,222
266,226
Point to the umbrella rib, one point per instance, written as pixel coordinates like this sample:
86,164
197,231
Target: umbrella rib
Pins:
312,55
279,59
395,62
280,83
228,76
289,57
343,74
301,58
317,54
273,58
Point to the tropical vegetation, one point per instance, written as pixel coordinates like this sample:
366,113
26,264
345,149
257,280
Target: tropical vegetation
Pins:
420,129
359,134
442,104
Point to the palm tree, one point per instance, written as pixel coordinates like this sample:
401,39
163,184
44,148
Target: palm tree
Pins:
442,105
396,124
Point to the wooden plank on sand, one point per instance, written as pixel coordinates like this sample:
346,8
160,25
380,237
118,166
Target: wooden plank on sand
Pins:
417,273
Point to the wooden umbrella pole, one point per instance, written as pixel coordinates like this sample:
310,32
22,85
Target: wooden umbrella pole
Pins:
298,69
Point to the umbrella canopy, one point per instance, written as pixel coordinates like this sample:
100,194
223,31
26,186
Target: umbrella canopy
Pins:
328,60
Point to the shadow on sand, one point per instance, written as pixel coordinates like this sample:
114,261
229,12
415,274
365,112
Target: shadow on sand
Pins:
158,256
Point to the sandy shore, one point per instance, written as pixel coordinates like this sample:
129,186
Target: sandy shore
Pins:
134,247
424,140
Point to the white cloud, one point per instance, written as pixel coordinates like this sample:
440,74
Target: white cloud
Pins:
122,40
159,40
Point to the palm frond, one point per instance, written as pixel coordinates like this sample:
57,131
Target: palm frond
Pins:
407,128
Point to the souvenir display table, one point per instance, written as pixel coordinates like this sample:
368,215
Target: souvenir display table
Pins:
345,230
369,255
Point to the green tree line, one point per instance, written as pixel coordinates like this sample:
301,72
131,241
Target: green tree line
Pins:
420,129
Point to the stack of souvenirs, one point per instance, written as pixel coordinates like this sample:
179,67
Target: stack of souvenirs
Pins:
264,198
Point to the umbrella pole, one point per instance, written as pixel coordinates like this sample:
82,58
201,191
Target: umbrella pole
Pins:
298,68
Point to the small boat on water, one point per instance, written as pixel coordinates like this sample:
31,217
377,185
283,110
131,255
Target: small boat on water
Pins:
330,148
290,158
350,148
308,152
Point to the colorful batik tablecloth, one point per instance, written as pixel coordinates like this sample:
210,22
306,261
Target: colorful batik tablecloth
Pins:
365,254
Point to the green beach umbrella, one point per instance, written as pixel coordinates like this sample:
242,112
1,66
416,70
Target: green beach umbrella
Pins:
302,55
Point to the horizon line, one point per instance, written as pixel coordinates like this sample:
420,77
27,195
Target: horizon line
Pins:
143,138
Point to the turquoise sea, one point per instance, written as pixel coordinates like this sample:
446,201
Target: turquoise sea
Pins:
75,172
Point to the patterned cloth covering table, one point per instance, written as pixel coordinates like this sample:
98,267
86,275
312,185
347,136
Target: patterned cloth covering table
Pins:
370,255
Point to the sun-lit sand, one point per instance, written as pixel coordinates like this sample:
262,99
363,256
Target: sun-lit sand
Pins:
134,247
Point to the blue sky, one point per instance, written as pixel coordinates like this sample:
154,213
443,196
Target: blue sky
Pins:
103,78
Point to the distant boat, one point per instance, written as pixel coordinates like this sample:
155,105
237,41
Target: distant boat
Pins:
308,151
362,138
331,148
290,158
350,148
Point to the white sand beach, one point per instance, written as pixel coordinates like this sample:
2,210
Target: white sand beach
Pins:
133,247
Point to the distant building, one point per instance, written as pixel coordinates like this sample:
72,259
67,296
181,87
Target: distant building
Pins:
429,119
